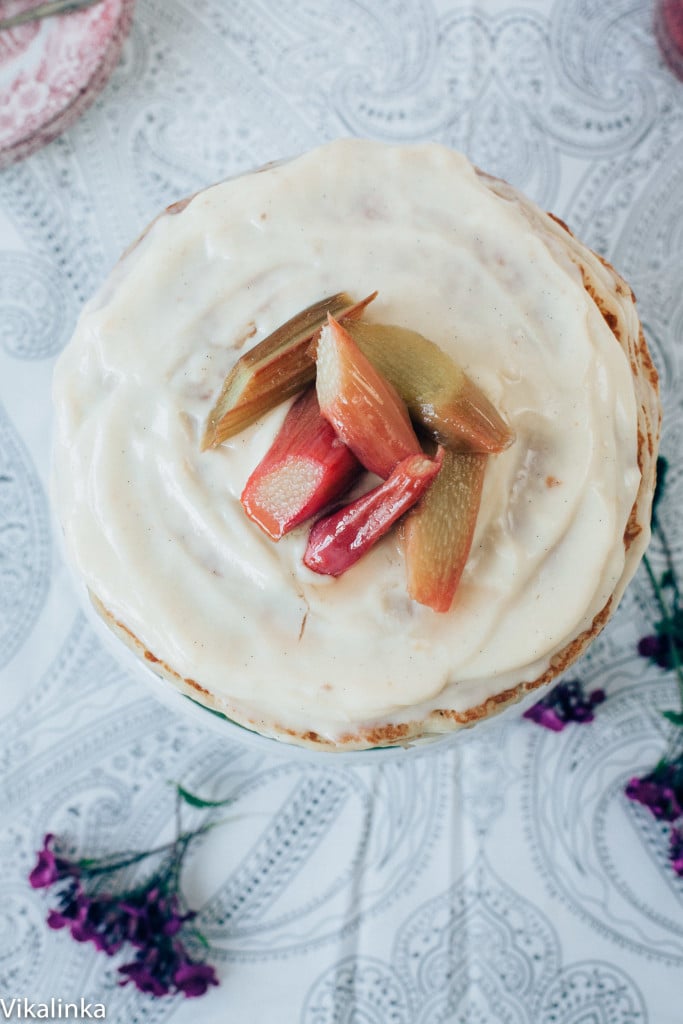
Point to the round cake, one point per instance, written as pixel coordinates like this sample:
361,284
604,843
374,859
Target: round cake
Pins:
153,519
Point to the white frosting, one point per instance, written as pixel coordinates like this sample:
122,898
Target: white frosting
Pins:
155,526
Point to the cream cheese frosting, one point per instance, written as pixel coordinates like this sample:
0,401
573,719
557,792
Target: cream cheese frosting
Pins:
155,528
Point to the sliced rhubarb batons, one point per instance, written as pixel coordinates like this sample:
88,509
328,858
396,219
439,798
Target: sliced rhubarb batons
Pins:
306,468
438,393
337,541
438,532
364,409
278,367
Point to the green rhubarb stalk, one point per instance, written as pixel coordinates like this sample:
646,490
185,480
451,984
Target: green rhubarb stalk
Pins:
278,367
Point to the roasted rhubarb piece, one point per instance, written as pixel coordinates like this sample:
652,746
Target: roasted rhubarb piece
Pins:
337,541
438,532
364,409
277,368
305,469
438,393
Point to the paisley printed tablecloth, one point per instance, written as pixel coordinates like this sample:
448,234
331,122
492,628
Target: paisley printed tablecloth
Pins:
506,879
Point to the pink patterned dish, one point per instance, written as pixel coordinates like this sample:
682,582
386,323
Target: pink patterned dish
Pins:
52,70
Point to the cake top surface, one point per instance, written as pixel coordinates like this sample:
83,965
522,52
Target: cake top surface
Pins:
155,526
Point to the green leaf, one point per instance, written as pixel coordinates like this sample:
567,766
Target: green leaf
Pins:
201,938
676,717
197,801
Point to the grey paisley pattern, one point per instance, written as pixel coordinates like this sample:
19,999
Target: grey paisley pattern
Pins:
474,953
505,879
24,543
361,815
588,837
35,313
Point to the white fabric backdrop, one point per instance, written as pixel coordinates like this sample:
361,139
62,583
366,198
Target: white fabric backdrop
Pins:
507,879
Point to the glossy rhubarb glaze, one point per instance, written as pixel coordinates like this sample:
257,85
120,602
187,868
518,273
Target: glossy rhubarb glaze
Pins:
154,525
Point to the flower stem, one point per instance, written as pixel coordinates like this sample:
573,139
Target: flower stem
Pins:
102,867
663,540
667,618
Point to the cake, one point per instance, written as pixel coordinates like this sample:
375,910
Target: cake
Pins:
152,519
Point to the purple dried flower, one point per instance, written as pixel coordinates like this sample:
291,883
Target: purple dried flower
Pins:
144,978
566,702
96,920
657,649
676,849
193,979
82,930
173,924
543,715
49,867
104,923
150,917
660,800
663,648
72,907
151,913
661,790
166,968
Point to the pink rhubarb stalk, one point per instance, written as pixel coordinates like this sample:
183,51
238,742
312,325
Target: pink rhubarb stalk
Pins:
364,409
337,541
306,468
